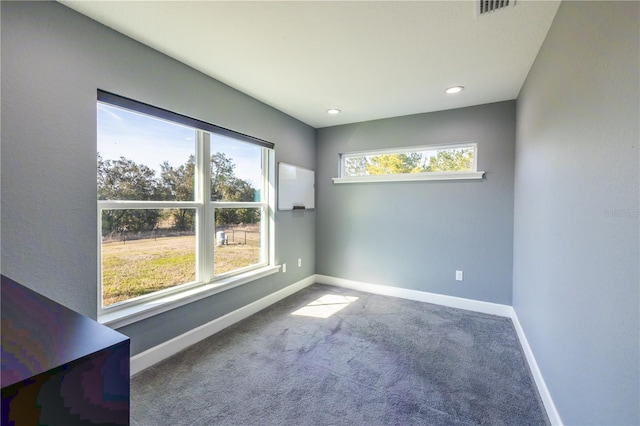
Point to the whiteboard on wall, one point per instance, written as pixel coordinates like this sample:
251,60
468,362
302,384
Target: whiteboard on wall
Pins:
296,187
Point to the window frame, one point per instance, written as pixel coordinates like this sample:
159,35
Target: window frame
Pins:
206,282
408,177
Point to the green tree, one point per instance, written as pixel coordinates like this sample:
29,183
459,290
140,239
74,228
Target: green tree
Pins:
222,177
355,166
225,186
178,185
237,190
451,160
123,179
389,164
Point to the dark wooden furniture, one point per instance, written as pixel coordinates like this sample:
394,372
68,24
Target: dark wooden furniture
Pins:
59,367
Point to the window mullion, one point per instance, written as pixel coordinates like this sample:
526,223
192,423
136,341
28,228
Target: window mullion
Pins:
236,204
269,178
99,259
205,219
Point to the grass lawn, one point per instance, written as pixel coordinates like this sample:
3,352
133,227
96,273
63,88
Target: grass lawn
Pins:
138,267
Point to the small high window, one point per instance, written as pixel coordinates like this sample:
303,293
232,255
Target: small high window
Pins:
415,163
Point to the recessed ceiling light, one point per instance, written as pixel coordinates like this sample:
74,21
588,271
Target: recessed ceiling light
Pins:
454,89
333,111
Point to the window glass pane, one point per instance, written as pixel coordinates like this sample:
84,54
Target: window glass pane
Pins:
146,250
425,160
236,170
143,158
237,239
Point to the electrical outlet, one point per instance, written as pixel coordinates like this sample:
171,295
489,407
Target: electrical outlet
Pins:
458,275
284,268
299,263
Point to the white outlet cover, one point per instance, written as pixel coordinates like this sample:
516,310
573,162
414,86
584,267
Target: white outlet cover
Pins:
458,275
284,268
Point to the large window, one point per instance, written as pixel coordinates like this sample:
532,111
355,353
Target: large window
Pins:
415,163
181,202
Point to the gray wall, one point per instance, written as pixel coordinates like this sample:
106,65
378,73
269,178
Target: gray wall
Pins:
576,212
575,239
415,235
53,60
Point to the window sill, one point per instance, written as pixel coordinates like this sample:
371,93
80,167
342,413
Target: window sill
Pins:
131,314
410,177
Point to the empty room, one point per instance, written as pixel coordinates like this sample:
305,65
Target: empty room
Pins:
320,213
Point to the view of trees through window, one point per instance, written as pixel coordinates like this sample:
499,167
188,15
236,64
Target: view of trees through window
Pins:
419,161
124,179
149,205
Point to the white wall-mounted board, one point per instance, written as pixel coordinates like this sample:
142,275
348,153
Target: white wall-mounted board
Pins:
296,187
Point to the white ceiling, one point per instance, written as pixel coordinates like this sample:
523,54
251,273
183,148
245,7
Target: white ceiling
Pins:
371,59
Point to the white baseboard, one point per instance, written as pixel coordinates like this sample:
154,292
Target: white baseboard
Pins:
461,303
552,412
166,349
420,296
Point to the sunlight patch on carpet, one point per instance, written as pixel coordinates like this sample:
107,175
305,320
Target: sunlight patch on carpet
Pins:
325,306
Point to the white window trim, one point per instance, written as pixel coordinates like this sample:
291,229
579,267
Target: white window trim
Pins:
206,284
146,306
129,313
410,177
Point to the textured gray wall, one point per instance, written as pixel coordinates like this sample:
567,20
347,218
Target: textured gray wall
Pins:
53,60
416,234
576,212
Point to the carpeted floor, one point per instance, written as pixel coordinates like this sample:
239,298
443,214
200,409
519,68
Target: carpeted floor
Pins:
378,361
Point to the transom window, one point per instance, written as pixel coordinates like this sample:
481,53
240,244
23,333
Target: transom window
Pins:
414,163
180,202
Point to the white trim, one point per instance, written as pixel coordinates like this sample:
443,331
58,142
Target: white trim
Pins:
238,204
131,313
166,349
136,204
409,177
420,296
545,395
269,227
139,308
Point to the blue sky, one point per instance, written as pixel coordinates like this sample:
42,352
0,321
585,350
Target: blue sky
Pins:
150,141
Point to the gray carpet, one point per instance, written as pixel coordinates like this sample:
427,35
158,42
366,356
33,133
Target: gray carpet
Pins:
378,361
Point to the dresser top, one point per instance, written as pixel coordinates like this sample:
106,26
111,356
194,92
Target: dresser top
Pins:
39,334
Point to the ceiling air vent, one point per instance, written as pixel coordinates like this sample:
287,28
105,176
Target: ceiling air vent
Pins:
488,6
